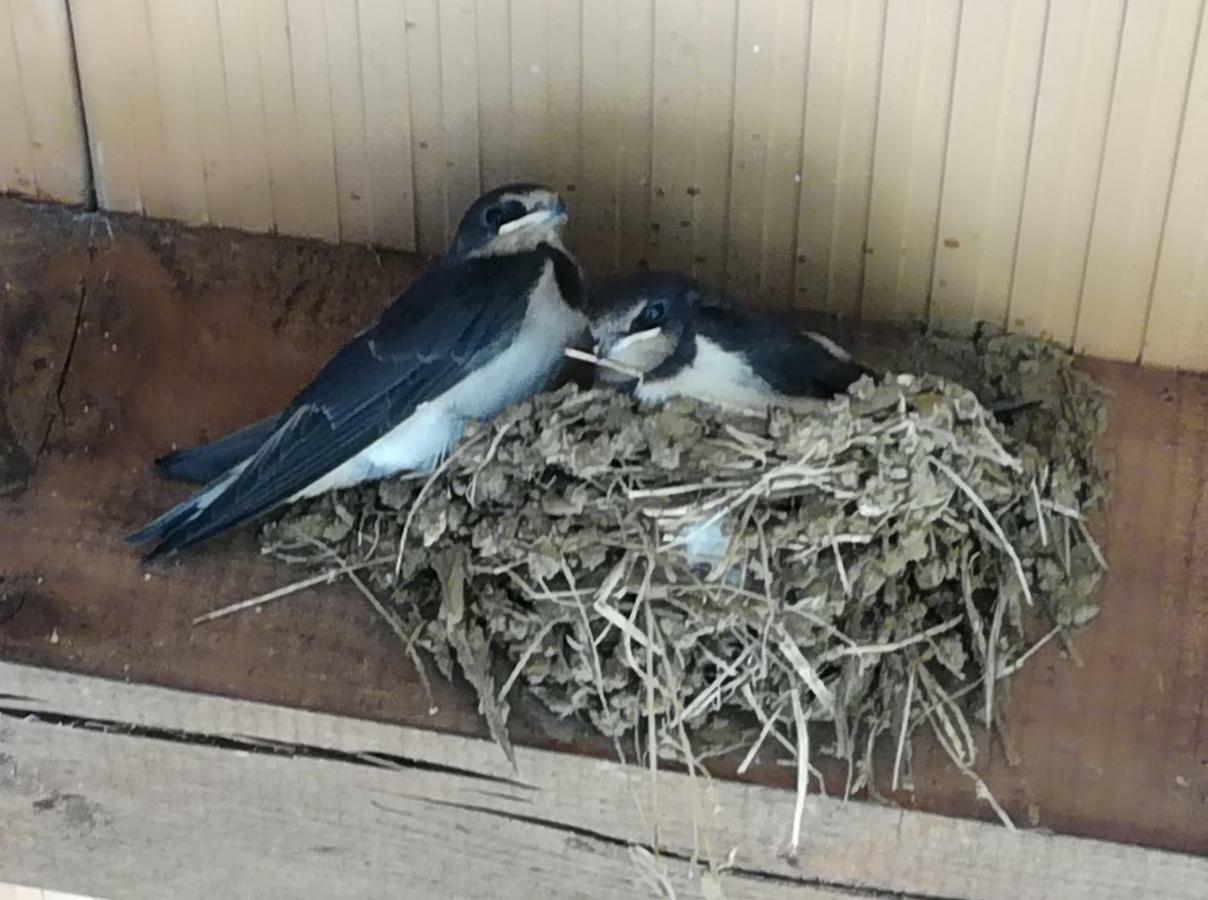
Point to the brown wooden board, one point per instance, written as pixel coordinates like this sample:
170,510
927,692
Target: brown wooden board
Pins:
120,337
130,791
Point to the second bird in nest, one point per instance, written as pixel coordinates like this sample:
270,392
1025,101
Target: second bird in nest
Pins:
665,338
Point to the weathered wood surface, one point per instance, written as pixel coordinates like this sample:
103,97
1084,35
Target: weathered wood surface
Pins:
136,791
114,347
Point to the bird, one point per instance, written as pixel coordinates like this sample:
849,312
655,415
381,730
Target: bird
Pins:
483,327
661,335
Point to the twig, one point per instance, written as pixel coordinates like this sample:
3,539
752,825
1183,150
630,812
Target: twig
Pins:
389,616
870,649
897,757
803,768
583,356
990,520
1040,520
261,599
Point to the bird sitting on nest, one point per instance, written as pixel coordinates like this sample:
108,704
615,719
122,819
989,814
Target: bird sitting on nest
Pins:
657,336
483,327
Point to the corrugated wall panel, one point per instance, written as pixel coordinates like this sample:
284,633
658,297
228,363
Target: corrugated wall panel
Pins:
387,87
42,152
1177,331
769,106
843,76
1076,81
1032,162
908,158
1134,186
985,165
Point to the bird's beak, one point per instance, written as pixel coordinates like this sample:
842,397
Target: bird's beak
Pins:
614,344
546,213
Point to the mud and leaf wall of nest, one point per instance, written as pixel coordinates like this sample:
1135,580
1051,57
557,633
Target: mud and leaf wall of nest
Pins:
1028,162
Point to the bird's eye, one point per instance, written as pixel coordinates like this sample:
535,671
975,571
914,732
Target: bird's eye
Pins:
494,216
654,312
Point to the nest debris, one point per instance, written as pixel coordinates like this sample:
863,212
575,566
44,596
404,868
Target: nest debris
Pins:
699,581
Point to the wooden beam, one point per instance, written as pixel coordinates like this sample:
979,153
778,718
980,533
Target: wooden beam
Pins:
136,791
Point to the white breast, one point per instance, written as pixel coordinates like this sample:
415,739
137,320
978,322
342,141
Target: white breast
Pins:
723,378
715,376
525,367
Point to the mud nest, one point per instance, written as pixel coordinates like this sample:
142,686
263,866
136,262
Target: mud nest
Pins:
699,581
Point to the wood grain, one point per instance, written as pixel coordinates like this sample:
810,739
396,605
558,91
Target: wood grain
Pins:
43,153
444,815
993,103
1148,101
836,164
1176,332
186,334
1066,156
908,162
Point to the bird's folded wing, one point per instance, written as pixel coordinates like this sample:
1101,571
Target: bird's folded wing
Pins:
453,320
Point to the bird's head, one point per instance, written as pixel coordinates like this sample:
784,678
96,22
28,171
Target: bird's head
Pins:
641,321
510,219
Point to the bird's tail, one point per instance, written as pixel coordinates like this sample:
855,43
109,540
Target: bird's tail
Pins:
833,367
204,464
172,523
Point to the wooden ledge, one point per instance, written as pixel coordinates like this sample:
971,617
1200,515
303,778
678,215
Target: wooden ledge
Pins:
133,791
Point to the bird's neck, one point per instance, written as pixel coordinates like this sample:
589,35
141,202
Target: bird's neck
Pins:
680,358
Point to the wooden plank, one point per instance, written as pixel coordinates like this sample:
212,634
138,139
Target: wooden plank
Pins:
209,340
428,142
103,85
141,94
718,20
202,41
459,108
495,92
1063,167
559,819
1134,184
290,207
1177,330
840,119
530,126
994,98
320,213
917,69
245,117
677,53
603,119
564,64
20,892
754,77
387,93
183,195
248,154
344,59
17,170
612,205
635,98
782,188
52,124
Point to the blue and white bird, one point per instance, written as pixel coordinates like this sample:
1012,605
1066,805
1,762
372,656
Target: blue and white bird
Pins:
482,328
685,341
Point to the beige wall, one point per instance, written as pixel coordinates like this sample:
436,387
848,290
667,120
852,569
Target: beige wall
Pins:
41,135
1038,163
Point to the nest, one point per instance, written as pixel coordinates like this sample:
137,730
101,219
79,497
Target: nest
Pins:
697,581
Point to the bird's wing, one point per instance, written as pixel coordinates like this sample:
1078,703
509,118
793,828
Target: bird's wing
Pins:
793,363
450,322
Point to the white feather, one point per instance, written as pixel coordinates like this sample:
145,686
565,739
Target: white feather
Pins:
422,439
715,376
